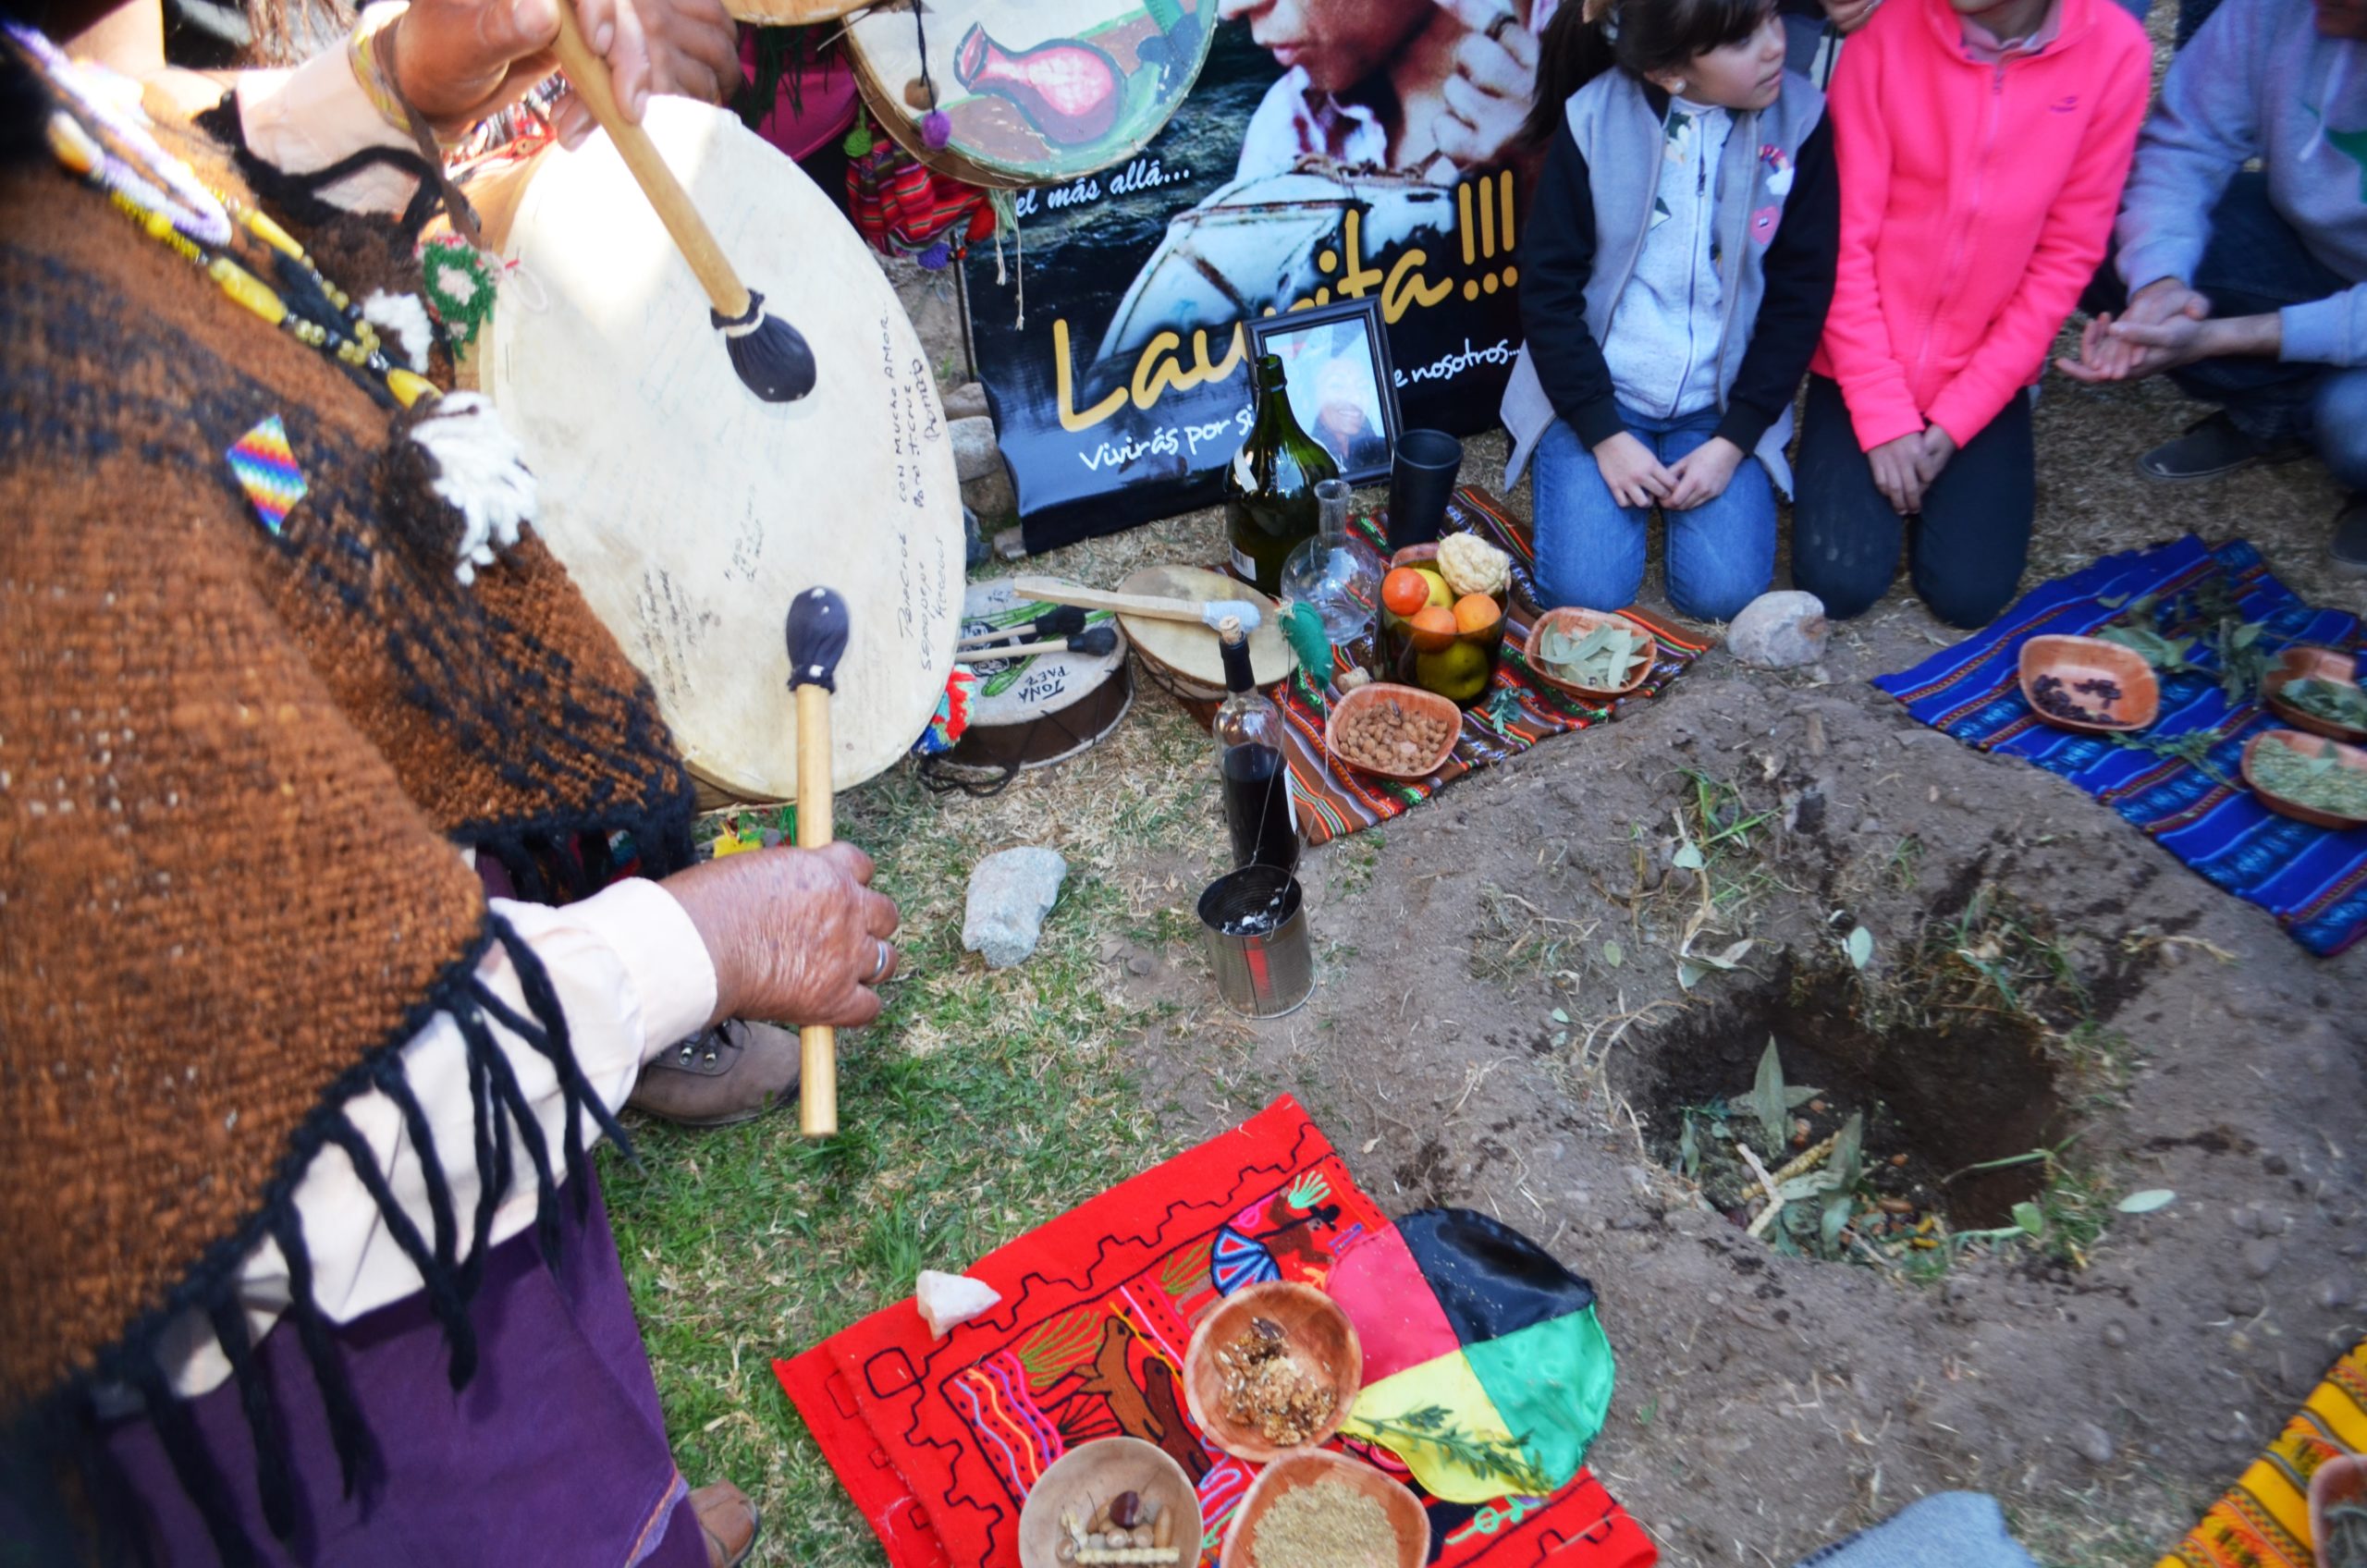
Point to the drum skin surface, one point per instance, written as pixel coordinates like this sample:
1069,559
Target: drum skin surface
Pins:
690,512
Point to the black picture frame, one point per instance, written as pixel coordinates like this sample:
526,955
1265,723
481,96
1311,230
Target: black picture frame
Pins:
1310,343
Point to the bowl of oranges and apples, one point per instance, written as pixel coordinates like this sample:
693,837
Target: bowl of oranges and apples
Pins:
1434,637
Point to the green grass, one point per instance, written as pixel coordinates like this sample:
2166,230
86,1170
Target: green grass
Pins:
981,1106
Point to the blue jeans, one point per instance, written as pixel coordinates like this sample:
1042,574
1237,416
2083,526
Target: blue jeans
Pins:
1591,549
2254,265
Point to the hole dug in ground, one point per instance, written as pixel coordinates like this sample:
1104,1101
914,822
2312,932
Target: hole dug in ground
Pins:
1927,1098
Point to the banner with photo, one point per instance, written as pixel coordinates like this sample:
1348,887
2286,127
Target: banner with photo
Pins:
1330,149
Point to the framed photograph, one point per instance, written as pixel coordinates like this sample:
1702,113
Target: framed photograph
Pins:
1335,363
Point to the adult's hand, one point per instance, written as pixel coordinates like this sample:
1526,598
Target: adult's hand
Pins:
1635,477
2118,351
1703,474
459,61
1848,16
796,935
1898,472
1488,97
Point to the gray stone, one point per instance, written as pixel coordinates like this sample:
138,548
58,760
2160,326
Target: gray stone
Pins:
1011,544
2116,1336
975,455
965,401
1780,631
974,541
993,496
1010,892
2334,1294
2093,1442
2260,1258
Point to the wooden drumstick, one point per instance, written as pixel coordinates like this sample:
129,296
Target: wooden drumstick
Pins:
771,356
1210,613
817,638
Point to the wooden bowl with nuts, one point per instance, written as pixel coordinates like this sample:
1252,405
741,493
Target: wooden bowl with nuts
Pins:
1272,1368
1396,732
1115,1502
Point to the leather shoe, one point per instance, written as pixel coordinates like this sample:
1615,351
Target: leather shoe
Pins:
2348,546
732,1072
2212,447
729,1521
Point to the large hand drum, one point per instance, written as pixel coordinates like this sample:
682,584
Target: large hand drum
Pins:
690,512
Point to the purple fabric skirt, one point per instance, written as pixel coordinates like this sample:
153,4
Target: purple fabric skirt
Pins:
555,1453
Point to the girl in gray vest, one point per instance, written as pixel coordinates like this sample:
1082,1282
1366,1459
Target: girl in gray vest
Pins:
1675,272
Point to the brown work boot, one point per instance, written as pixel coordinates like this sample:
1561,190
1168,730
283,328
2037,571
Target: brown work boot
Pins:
730,1522
735,1072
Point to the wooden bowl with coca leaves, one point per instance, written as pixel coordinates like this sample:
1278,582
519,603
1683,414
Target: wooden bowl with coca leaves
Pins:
2317,688
2308,777
1272,1368
2089,685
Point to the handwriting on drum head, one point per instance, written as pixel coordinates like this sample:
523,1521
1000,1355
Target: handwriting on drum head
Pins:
914,421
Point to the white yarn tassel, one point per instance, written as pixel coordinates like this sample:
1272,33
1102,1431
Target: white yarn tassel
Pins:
402,322
481,472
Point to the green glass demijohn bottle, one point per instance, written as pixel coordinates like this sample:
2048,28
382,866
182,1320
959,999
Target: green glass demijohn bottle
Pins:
1270,501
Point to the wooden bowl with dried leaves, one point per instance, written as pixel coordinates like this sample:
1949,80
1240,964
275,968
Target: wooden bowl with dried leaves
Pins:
1569,622
1092,1476
2315,750
1272,1368
1301,1469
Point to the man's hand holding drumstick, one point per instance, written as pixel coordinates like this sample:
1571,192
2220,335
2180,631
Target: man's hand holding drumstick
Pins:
459,61
796,935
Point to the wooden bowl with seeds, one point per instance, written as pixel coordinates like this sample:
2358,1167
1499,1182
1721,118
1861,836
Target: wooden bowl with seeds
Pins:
1396,732
2090,685
1272,1368
1087,1484
1571,620
1349,1515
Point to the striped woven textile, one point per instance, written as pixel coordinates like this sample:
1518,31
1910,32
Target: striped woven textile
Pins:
1518,712
2313,879
2264,1522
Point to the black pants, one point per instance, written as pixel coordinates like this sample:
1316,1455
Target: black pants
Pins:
1969,543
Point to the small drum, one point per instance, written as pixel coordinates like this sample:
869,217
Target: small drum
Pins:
690,512
1185,659
1035,711
1033,91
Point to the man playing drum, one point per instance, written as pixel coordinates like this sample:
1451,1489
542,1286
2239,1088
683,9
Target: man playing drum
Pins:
306,1259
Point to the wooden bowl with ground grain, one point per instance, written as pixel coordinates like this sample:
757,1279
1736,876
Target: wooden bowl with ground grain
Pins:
1094,1474
1572,621
1347,711
1305,1468
1315,1332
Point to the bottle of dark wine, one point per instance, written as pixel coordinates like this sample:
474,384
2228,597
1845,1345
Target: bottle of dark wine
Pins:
1269,502
1248,729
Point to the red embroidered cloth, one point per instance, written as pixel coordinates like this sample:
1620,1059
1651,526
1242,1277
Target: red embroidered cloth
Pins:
938,1441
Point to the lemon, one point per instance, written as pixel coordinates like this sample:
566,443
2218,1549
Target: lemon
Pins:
1440,593
1458,673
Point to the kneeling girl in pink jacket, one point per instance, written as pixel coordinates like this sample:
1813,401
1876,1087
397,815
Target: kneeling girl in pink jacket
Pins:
1982,146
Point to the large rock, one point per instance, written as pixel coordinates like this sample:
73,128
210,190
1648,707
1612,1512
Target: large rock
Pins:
1010,892
975,456
1780,631
966,401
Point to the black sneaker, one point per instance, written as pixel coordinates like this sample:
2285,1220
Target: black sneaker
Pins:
2348,546
2212,447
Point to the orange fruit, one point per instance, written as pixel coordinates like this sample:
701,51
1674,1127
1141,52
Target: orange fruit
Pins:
1475,612
1405,590
1433,627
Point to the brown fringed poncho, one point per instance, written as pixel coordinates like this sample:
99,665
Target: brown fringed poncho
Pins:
233,770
